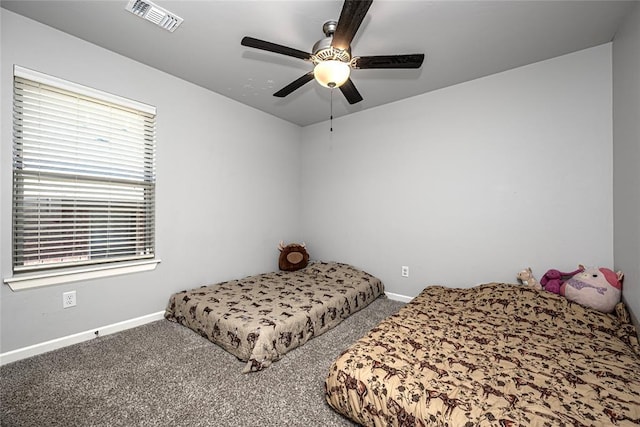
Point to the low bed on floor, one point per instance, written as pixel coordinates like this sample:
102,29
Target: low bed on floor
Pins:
260,318
493,355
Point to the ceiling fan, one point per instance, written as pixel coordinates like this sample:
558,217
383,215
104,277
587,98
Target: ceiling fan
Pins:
331,55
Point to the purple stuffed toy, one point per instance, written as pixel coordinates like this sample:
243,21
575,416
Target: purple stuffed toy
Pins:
553,279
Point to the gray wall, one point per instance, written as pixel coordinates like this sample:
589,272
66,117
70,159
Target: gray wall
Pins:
470,183
226,188
626,156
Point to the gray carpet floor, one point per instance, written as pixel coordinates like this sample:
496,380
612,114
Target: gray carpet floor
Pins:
163,374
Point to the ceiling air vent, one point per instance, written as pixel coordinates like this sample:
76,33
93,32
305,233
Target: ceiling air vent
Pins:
154,13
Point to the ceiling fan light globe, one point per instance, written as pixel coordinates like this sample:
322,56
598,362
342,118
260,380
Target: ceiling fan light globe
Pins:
332,73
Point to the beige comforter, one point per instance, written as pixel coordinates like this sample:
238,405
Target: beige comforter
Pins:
493,355
260,318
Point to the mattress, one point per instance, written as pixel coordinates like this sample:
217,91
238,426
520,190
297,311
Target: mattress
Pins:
496,354
260,318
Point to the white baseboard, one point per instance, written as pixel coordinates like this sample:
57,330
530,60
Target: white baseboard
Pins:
398,297
34,350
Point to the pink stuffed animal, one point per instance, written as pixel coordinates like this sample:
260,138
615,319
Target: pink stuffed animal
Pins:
598,288
553,279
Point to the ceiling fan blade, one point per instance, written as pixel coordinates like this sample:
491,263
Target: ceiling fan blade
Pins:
277,48
353,12
388,61
350,92
296,84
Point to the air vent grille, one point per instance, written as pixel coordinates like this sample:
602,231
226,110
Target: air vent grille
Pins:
154,13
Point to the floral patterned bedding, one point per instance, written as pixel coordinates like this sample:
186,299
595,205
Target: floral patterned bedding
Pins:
260,318
493,355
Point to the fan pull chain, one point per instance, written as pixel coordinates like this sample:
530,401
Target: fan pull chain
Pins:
331,112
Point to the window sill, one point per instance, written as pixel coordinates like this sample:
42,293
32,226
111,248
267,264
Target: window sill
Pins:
21,282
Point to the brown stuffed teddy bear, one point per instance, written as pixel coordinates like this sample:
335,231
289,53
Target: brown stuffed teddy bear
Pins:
292,256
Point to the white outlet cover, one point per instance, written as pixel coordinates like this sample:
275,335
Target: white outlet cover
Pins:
69,299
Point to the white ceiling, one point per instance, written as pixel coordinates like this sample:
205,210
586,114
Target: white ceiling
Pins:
462,40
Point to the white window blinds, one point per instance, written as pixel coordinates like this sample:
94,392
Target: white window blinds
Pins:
83,175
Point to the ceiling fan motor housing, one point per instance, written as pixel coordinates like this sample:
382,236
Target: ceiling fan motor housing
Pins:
323,51
332,65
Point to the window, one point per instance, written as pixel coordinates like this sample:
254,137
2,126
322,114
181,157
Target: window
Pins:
83,176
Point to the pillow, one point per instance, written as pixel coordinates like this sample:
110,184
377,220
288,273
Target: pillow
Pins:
598,288
292,256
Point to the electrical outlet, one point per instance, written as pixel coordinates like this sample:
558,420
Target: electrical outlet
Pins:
69,299
405,271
